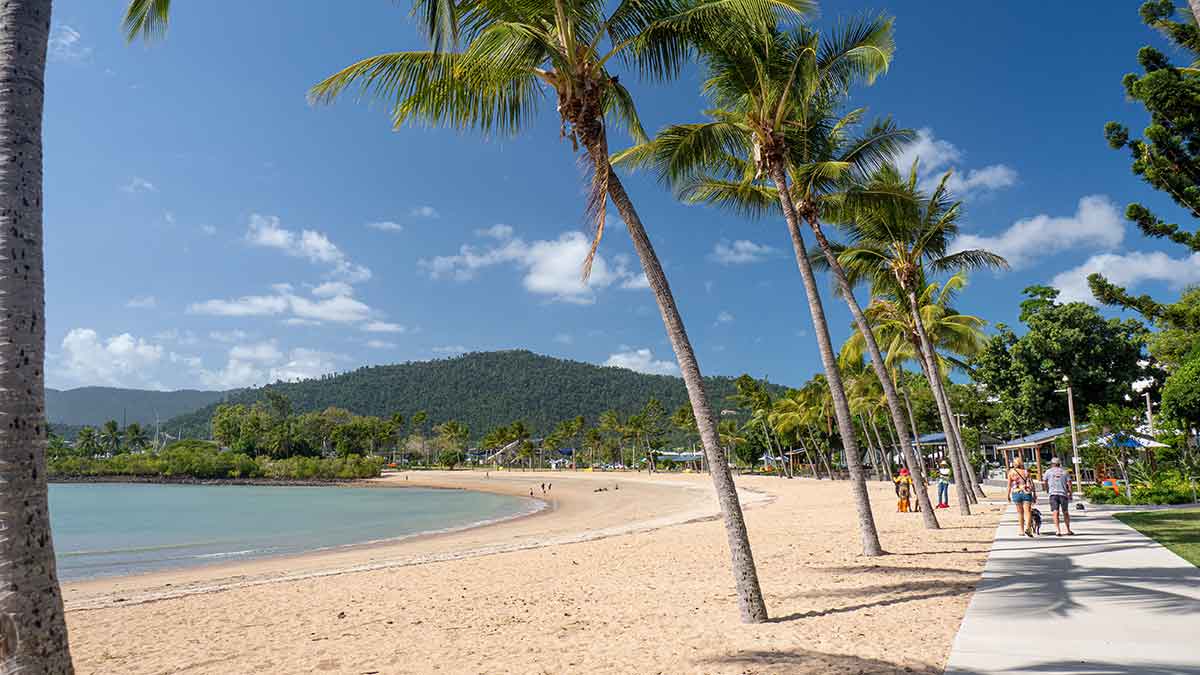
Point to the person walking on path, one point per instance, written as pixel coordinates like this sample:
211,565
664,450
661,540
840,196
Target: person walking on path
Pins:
1021,491
943,484
1058,486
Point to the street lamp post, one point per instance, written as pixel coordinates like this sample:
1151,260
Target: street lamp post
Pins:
1074,438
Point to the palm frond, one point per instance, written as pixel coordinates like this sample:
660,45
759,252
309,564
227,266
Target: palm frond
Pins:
147,19
744,198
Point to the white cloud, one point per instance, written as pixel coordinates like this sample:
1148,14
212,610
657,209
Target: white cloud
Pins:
208,229
386,226
1096,224
739,252
937,156
300,322
642,361
381,344
309,244
65,46
139,184
229,335
724,317
339,308
498,231
193,362
564,338
449,350
551,267
383,327
424,211
262,363
331,289
264,352
175,335
1127,270
142,302
119,361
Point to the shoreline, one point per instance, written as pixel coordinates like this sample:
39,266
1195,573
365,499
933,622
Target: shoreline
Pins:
599,573
483,538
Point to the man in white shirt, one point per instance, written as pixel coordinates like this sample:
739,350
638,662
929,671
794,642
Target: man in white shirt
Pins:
1058,486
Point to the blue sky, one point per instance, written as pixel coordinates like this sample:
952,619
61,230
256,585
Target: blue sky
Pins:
206,227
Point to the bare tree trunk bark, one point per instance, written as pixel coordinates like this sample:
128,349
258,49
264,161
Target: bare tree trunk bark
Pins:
912,419
33,632
1194,5
750,600
885,378
929,357
871,452
885,455
841,407
976,490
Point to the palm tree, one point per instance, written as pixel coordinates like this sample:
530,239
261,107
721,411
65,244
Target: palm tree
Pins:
86,442
33,634
898,234
135,437
510,56
777,97
110,436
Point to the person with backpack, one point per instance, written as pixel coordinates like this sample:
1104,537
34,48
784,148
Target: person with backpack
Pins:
1023,493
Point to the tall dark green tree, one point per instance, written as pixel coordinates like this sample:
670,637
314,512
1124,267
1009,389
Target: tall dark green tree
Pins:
1167,156
1100,356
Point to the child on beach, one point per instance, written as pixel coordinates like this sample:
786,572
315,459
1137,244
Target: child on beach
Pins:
904,484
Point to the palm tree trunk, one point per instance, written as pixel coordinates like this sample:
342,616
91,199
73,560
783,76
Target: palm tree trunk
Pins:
885,379
886,456
912,419
750,600
976,490
871,449
822,454
33,632
925,349
841,407
954,440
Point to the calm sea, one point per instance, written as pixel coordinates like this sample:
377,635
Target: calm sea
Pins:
110,529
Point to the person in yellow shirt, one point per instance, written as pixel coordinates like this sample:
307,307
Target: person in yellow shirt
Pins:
904,486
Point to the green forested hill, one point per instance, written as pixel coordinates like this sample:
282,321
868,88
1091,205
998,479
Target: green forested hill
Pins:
483,390
96,405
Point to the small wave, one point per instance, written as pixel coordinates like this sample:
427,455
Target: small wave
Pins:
137,549
229,554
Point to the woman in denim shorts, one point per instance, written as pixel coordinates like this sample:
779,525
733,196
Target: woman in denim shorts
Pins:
1021,491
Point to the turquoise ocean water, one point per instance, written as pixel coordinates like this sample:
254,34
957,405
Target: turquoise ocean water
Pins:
111,529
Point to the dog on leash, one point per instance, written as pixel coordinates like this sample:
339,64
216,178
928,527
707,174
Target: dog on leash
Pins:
1037,522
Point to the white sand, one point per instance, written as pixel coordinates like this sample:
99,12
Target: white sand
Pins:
634,580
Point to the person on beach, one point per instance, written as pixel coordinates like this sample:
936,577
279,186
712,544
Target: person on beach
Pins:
1058,486
904,484
943,483
1021,491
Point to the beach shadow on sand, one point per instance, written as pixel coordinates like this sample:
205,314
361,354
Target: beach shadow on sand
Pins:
805,661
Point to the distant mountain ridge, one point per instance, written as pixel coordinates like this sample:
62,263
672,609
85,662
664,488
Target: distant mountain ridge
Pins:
96,405
483,390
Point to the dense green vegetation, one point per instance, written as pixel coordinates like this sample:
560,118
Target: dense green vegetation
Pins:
204,460
1177,530
482,390
95,405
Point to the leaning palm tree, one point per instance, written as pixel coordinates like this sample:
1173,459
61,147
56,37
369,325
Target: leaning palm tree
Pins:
778,138
491,63
898,235
33,633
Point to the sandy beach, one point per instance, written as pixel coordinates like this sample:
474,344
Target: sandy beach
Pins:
633,579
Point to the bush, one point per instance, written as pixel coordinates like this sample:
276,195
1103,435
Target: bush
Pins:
203,460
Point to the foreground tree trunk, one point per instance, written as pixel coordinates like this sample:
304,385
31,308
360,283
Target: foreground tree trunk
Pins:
33,632
881,372
929,358
841,407
750,599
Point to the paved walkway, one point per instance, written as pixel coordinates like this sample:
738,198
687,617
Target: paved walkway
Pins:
1107,601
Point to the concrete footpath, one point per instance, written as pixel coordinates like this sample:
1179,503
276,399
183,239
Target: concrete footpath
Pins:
1106,601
